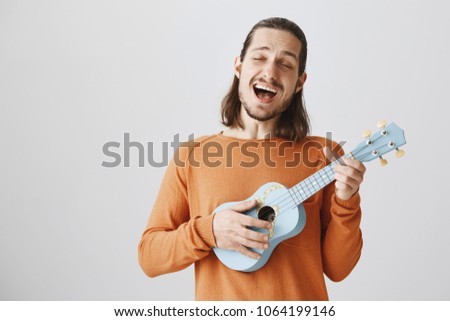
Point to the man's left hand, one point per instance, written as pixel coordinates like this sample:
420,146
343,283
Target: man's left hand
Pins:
348,177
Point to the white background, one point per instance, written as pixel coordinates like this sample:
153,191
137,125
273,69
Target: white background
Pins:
75,75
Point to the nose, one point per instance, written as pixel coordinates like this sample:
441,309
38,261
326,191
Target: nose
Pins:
270,70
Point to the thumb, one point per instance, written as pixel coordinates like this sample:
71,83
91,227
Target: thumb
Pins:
244,206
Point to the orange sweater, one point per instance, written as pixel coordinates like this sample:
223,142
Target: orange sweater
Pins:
179,230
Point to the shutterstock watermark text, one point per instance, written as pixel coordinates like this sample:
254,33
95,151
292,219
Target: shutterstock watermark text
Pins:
212,153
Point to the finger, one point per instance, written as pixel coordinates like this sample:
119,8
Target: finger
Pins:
245,251
347,181
243,206
249,221
253,244
344,191
356,164
253,235
349,172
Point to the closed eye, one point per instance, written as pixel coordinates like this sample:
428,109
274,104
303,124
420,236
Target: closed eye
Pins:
287,65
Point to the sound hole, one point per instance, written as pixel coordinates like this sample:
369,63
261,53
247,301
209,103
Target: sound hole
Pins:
266,213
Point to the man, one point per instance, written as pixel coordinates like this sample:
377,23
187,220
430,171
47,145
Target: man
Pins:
267,129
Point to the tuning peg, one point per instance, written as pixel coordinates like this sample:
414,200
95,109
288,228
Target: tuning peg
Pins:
366,134
381,123
399,153
383,162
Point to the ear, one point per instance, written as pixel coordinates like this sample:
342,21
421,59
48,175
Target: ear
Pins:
301,81
237,66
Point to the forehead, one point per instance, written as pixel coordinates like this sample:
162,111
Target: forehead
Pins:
274,40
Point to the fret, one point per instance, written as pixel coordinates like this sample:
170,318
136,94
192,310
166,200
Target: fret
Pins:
301,192
329,170
310,191
293,195
298,189
308,183
312,184
318,179
297,193
324,177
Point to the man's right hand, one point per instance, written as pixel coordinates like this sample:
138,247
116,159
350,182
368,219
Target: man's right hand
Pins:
231,231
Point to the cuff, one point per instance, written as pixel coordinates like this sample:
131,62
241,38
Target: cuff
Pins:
351,204
204,226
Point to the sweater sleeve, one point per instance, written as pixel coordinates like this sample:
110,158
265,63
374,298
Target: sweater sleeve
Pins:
341,234
174,238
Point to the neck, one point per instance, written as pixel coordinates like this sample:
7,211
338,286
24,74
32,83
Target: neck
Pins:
312,184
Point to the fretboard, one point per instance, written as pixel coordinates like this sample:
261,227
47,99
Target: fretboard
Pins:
312,184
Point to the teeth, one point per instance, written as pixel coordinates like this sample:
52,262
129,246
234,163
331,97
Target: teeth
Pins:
266,88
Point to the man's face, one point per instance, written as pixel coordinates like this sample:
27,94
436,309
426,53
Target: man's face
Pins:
268,76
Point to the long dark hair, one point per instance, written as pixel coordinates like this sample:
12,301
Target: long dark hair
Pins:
294,121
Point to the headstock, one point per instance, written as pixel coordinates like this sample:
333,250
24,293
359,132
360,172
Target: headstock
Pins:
385,140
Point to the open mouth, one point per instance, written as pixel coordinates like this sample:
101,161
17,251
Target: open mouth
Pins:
264,92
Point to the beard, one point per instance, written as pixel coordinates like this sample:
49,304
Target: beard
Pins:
262,114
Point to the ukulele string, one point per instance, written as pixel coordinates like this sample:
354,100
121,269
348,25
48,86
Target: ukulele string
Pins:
355,155
287,196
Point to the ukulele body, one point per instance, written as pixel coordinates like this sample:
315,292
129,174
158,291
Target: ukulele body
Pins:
274,204
285,207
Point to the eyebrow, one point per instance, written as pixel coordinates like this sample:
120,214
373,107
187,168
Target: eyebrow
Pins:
286,52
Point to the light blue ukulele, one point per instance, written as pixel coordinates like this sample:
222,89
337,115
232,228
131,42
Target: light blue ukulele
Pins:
283,206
